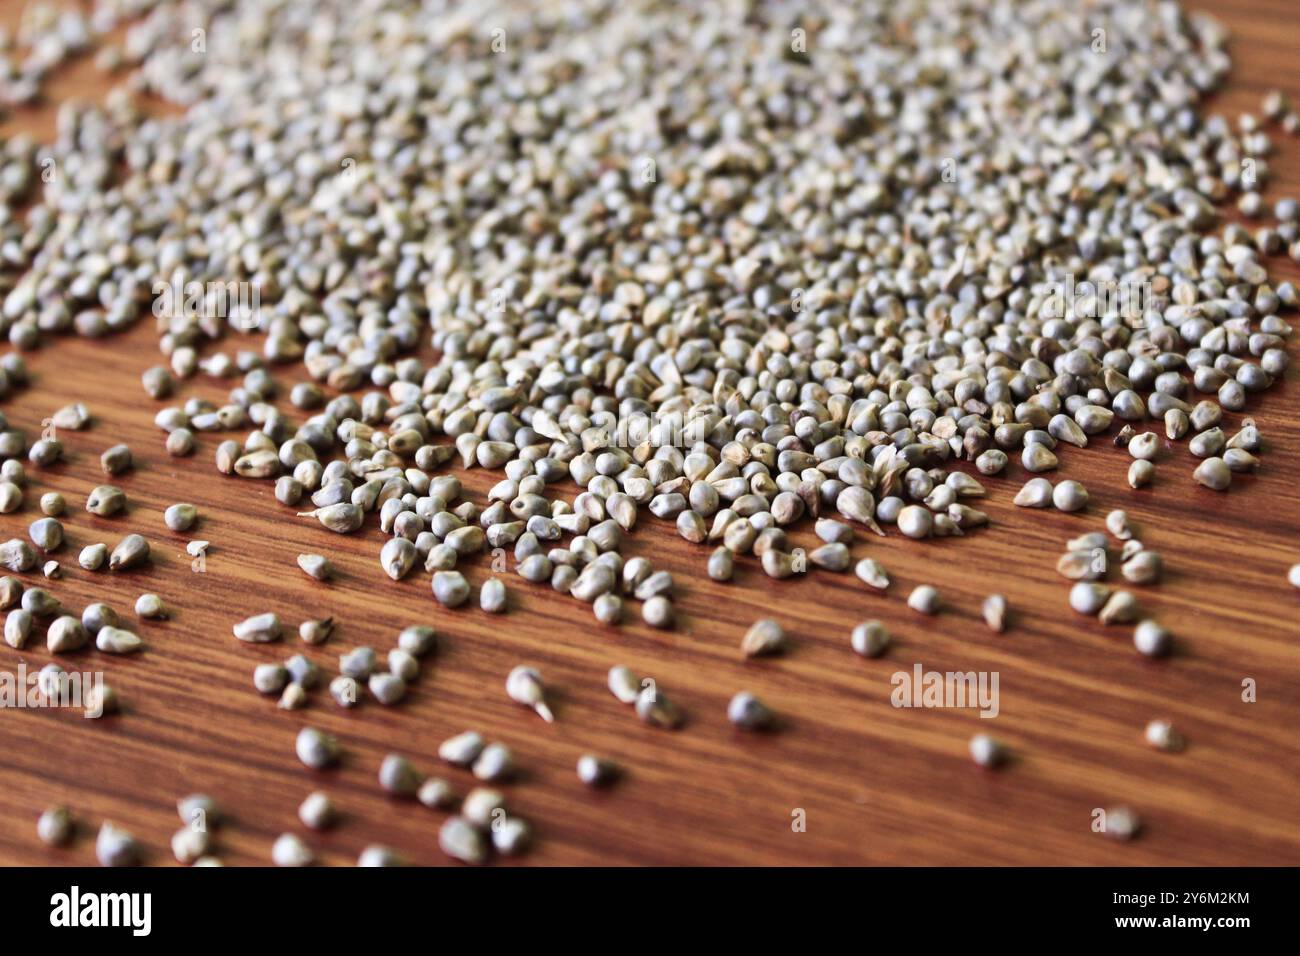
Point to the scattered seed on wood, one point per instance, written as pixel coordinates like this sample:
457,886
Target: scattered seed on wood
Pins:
749,713
116,847
131,551
55,826
316,749
994,611
924,599
180,517
596,771
1151,639
316,566
259,629
869,639
986,751
289,850
764,637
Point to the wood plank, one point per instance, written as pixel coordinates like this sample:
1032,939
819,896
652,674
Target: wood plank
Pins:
878,785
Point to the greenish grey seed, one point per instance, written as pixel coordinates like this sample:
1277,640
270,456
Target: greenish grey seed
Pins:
869,639
131,551
116,460
924,599
749,713
764,637
316,566
259,629
450,588
180,517
150,606
106,501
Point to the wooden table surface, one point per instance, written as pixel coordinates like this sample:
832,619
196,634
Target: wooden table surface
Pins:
875,784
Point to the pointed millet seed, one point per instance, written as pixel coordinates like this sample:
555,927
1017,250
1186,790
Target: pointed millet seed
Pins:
1070,496
1161,735
17,555
915,522
994,611
117,640
658,612
115,460
180,517
495,764
597,771
1144,447
869,639
55,826
986,751
1037,458
98,616
316,632
1144,567
150,606
461,750
105,501
116,847
53,504
65,634
1120,608
316,566
749,713
1036,493
188,844
450,588
293,698
1151,639
1140,474
1121,823
270,678
436,794
1088,597
18,628
655,709
398,777
624,684
46,534
40,602
462,841
130,552
764,637
524,686
417,640
93,556
872,573
259,629
316,749
386,688
1117,524
358,663
1214,474
11,592
290,850
924,599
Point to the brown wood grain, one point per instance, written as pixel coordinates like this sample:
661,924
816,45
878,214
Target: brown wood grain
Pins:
878,785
